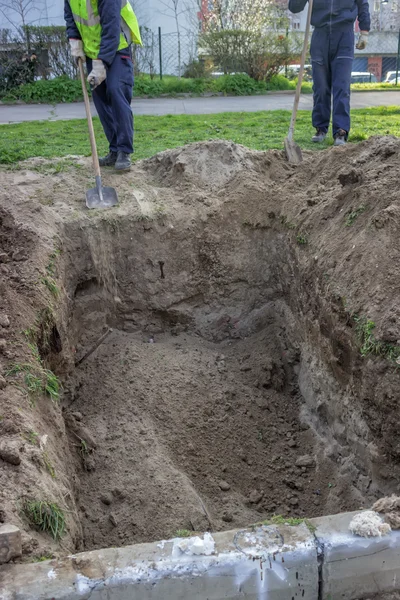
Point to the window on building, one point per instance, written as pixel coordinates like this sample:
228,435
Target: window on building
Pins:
377,5
395,6
296,25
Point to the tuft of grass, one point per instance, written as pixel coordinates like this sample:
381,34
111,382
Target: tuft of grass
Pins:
183,533
302,239
32,437
42,558
51,285
311,527
84,448
353,214
49,467
37,379
45,516
281,520
369,345
51,266
52,385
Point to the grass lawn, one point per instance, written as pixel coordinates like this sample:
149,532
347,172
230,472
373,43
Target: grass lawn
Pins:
259,130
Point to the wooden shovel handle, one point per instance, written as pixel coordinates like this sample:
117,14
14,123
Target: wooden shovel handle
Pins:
89,119
301,72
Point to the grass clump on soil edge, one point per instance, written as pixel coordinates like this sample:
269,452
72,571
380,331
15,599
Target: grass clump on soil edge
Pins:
45,516
369,345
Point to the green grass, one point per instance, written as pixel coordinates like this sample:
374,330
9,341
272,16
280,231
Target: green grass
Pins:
369,345
280,520
45,516
258,130
302,239
49,467
183,533
37,379
353,214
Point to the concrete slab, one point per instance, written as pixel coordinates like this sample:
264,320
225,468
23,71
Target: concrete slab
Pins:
355,567
267,563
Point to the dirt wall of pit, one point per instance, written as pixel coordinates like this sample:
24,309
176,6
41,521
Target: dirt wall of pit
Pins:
289,273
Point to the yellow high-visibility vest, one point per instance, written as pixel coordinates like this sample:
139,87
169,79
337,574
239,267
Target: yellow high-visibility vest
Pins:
86,17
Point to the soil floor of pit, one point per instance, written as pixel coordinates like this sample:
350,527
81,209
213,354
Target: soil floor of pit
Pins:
190,435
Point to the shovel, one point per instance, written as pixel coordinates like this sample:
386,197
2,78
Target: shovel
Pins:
292,150
98,197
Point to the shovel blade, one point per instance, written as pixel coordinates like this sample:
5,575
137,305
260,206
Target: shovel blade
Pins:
293,152
106,198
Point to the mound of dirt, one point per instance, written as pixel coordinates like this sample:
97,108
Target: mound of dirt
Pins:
252,366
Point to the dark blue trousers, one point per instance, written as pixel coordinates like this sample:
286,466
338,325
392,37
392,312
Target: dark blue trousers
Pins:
112,100
332,54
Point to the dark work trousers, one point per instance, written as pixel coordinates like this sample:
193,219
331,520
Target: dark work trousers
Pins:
112,100
332,54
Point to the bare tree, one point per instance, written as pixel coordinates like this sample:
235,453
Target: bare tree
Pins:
175,9
18,14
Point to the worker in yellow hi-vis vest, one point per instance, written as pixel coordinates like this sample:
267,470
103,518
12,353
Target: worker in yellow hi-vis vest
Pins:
102,32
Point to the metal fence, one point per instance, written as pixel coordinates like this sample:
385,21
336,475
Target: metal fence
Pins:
165,53
171,53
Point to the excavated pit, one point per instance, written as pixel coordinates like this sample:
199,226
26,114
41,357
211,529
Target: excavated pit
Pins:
230,385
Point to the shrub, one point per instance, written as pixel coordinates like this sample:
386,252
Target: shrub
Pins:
61,89
147,87
279,82
239,85
195,69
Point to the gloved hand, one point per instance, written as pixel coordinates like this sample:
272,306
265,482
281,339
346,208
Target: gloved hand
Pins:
77,49
362,40
98,74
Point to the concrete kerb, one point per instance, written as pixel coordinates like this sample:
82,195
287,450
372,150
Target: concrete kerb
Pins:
355,567
264,563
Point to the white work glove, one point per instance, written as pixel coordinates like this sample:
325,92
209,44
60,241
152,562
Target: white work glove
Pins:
362,40
98,73
77,50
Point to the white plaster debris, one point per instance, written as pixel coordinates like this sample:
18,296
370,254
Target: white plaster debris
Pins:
43,441
52,574
161,544
194,546
369,524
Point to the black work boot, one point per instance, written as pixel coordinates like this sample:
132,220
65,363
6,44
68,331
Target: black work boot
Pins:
109,160
123,162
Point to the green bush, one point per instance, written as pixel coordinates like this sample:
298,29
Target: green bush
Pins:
279,82
238,85
195,69
61,89
144,86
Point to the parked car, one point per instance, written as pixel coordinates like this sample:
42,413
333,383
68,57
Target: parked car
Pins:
358,77
391,77
292,71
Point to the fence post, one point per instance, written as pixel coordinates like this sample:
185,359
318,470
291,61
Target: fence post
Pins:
160,50
398,61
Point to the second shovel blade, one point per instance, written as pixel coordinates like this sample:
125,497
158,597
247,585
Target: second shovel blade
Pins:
293,152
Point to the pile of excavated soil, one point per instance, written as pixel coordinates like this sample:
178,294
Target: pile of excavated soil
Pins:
251,368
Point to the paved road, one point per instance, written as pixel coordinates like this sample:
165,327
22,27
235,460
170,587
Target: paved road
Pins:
190,106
